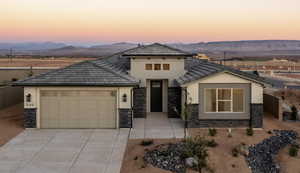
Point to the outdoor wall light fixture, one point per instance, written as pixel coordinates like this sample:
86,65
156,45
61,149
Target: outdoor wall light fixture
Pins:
28,98
124,98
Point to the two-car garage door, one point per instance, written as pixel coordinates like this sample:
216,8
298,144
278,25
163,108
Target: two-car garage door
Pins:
77,109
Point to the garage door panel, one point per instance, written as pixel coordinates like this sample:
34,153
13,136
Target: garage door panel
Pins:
51,110
78,109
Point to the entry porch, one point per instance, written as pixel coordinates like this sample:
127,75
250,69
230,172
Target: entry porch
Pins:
157,125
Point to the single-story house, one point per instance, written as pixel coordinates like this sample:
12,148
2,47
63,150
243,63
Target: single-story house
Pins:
109,92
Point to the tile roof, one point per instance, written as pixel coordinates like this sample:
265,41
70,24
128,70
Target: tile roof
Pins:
156,49
202,68
87,73
113,70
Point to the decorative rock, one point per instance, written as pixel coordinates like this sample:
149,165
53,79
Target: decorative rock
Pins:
261,156
168,157
191,162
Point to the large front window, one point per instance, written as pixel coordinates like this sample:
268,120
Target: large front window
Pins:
224,100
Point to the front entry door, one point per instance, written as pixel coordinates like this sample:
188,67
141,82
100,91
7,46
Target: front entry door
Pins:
156,96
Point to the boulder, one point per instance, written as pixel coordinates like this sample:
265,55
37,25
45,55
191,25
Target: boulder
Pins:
191,162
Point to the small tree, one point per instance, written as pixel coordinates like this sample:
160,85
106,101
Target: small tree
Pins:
185,113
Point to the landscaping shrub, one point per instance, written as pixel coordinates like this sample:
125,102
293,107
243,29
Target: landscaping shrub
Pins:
293,151
196,148
294,112
212,143
147,142
212,131
241,149
249,131
194,145
235,152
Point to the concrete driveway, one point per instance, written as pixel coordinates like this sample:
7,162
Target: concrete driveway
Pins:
64,151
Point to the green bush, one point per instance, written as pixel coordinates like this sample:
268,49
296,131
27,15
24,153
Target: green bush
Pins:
197,148
249,131
192,145
235,152
212,143
212,132
293,151
147,142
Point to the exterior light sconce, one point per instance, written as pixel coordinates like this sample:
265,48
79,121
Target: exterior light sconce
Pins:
124,98
28,98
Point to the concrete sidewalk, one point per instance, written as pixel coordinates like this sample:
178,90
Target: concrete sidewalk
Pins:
157,125
65,151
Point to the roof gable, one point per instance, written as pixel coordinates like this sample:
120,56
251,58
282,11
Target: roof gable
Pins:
156,49
86,73
206,69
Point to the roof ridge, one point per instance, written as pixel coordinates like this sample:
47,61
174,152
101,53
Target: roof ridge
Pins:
51,71
127,77
117,53
170,47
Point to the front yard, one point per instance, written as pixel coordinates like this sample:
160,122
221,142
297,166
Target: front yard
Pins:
11,123
220,158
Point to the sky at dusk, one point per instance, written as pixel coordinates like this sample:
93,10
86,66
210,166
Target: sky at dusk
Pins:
148,20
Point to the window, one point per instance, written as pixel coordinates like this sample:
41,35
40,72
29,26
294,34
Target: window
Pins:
148,66
224,100
166,66
157,66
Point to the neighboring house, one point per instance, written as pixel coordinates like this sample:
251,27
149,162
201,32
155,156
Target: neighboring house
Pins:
109,92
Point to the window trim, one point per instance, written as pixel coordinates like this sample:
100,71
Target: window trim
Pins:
155,67
231,101
148,65
166,69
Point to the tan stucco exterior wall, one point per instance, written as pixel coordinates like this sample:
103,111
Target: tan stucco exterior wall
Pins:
193,88
35,95
138,69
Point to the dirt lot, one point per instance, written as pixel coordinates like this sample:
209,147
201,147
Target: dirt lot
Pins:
40,62
220,158
11,123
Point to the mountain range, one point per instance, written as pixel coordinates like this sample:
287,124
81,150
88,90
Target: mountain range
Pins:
215,49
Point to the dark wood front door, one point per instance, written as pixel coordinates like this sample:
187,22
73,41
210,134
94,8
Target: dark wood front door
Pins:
156,96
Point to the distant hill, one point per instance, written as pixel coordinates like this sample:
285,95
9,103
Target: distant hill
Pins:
31,46
256,48
255,45
244,48
99,50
